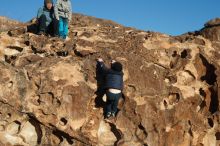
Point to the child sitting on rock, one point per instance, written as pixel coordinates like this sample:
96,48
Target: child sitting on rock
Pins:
113,84
47,24
63,13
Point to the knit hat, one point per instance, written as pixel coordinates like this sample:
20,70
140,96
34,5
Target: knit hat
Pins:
48,1
116,66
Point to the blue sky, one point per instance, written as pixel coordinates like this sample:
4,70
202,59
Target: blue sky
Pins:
172,17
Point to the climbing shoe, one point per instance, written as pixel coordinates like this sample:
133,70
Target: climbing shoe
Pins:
113,114
108,115
41,33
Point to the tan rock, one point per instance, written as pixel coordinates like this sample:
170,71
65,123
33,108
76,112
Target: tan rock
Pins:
105,135
29,134
13,128
48,86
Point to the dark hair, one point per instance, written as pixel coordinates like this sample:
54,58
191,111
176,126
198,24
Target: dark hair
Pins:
48,1
116,66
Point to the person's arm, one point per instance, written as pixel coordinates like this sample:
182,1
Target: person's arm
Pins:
39,13
56,9
70,11
101,66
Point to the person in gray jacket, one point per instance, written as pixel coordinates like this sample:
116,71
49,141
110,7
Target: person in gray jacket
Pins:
47,24
63,13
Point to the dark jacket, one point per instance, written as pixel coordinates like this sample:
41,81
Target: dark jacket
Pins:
112,79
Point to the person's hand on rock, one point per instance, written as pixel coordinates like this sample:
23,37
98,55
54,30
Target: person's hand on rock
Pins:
113,61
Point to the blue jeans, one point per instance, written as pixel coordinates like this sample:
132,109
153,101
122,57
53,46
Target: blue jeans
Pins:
63,27
112,102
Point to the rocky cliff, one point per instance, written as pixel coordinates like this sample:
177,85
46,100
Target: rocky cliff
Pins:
7,24
48,87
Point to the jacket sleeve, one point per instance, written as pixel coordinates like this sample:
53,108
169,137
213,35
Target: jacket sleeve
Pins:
39,13
101,67
56,5
70,11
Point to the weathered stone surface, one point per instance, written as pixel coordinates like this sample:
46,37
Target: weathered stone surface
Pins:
105,135
212,22
29,134
7,24
48,86
211,30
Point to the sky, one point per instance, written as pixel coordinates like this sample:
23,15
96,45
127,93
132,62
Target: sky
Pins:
173,17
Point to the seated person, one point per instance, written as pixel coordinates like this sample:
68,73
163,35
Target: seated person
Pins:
47,24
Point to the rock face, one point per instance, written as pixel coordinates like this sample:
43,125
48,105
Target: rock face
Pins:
48,87
6,24
211,30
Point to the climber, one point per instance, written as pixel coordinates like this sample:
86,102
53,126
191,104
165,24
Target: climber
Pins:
113,84
47,24
63,13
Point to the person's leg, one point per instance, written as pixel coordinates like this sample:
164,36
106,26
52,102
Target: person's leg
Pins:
115,104
49,29
61,27
108,108
109,103
65,28
42,24
55,27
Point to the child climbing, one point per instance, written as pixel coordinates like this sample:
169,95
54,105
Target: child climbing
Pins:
113,84
63,13
47,24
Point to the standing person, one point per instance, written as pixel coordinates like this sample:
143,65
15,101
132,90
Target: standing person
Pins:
113,84
63,13
47,24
